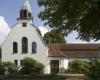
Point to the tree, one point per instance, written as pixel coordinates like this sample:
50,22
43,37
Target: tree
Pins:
78,66
94,71
69,15
7,68
91,69
54,36
31,66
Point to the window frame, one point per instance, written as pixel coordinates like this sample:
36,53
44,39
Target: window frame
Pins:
16,62
24,45
34,47
24,13
15,47
24,24
21,62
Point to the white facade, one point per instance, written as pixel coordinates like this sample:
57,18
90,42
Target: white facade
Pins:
16,35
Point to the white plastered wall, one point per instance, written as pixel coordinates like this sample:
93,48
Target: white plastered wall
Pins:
16,35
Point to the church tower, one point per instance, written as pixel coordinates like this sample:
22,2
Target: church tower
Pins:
26,12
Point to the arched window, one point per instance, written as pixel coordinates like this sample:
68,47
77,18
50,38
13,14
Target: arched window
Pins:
24,45
34,47
15,47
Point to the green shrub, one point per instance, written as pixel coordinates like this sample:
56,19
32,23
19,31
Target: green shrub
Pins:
55,77
31,66
7,68
78,66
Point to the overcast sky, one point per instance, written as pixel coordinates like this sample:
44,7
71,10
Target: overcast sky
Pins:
9,10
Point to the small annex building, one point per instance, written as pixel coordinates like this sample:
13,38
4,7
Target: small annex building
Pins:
61,54
25,40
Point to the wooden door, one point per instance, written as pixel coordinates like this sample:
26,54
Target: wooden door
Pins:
54,66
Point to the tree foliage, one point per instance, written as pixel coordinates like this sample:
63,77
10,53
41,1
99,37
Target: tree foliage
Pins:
94,71
91,69
7,68
69,15
54,36
78,66
31,66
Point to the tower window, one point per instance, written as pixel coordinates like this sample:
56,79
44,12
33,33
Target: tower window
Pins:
29,14
15,47
34,47
24,45
24,24
24,13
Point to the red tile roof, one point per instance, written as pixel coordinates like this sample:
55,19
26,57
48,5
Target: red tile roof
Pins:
74,50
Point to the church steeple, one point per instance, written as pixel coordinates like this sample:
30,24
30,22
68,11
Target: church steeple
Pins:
26,12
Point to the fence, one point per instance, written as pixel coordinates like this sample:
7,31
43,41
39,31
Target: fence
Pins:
43,77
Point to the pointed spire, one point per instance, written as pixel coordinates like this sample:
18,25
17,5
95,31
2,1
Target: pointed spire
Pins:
26,12
26,6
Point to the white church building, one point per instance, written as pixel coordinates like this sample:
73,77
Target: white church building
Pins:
25,40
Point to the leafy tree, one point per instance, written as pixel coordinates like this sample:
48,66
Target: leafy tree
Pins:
78,66
7,68
31,66
94,71
69,15
54,36
91,69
